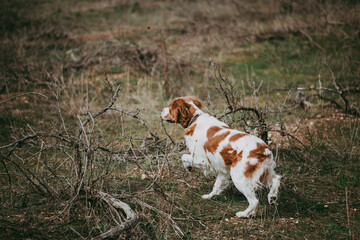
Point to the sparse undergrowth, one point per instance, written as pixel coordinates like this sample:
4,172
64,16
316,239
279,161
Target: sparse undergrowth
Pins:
295,62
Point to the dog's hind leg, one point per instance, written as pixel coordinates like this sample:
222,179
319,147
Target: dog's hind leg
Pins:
248,189
220,184
274,184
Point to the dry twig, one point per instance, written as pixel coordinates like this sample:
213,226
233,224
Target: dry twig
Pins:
131,217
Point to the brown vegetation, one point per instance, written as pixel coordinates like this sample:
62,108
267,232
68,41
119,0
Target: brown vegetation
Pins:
84,154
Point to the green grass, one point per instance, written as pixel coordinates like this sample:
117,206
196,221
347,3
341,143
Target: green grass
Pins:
293,62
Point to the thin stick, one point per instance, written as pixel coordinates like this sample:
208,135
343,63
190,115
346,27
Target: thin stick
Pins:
311,40
22,94
59,108
76,232
162,123
347,211
20,141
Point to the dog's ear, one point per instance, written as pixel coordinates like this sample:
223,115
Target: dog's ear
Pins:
179,111
195,100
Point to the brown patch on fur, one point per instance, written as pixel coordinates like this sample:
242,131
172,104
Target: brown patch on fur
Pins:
237,136
250,169
190,130
212,131
230,156
238,158
226,127
257,153
213,142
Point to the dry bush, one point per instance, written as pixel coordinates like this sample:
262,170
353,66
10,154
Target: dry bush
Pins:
70,166
248,114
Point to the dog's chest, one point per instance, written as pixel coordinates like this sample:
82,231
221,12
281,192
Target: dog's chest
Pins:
195,143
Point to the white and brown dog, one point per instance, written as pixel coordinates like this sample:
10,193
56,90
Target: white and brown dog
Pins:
215,147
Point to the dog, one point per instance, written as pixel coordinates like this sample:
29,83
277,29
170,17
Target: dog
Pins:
227,152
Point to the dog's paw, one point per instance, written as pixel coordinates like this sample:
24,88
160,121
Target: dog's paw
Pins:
272,200
245,214
187,165
206,196
241,214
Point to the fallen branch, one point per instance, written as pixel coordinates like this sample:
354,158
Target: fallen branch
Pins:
131,217
327,99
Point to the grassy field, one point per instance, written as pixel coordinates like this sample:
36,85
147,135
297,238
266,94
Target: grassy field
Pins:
296,62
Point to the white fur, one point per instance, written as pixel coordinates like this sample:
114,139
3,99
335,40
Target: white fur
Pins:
164,112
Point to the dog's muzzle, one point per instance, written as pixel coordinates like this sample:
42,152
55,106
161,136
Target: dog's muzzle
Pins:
165,115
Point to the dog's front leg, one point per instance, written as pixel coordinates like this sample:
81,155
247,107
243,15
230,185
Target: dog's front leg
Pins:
197,162
187,160
220,182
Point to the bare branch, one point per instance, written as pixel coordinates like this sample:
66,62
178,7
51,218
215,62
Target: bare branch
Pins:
162,124
38,184
339,90
19,142
233,98
23,94
131,217
115,96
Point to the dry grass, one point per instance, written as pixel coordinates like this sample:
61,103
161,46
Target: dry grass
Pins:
76,54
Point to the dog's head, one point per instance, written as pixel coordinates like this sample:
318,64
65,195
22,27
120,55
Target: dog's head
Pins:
182,110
